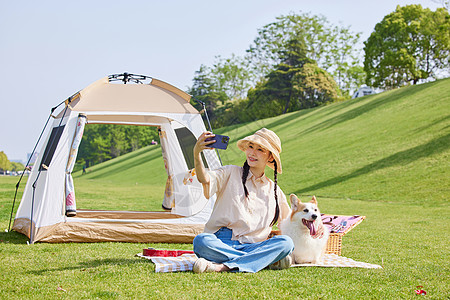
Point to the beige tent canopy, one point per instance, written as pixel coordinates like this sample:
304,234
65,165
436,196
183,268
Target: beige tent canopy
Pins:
48,211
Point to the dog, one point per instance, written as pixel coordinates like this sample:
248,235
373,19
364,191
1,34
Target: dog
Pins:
301,226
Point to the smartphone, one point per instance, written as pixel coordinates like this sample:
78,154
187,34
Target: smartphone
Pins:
220,143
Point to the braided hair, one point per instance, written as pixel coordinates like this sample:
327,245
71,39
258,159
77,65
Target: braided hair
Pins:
245,171
277,208
246,168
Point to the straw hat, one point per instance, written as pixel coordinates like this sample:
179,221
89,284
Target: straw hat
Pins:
268,140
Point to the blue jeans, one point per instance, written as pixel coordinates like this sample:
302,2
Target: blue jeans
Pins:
247,257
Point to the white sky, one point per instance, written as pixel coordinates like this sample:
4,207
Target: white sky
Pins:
51,49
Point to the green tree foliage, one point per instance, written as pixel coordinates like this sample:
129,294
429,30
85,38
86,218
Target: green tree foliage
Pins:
227,80
232,76
17,166
139,136
280,84
408,45
5,164
118,143
102,142
331,47
238,111
314,87
296,83
207,90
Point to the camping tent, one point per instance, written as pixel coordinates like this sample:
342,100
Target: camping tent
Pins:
48,212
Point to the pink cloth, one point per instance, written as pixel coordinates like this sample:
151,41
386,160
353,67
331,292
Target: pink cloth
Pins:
70,199
340,224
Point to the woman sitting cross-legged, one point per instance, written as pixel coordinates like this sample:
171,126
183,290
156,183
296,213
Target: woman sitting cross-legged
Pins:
248,204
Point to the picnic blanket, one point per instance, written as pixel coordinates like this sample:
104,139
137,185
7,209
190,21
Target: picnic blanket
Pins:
181,260
185,262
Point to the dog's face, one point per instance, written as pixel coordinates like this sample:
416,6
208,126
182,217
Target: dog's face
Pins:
305,214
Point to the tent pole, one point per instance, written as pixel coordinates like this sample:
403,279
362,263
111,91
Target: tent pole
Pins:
28,162
209,123
32,208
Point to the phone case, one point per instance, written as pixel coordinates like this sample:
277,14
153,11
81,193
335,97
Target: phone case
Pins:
221,142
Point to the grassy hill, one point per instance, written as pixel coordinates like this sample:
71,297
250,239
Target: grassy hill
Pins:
391,147
134,181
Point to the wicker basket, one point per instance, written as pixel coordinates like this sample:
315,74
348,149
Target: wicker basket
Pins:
334,245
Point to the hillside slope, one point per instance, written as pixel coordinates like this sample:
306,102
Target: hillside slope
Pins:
134,181
393,146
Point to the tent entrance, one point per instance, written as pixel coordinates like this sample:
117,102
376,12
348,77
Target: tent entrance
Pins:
140,180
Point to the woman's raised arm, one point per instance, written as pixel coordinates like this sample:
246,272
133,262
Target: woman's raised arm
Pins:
201,145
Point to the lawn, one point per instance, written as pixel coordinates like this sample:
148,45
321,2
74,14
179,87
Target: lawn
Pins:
384,156
410,241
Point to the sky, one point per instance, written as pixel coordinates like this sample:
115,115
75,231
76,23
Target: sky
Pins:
49,50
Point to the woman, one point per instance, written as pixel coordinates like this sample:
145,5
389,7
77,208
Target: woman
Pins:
247,205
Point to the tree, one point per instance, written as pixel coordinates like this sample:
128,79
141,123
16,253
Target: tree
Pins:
232,76
102,146
331,47
296,83
206,89
17,166
408,45
280,84
117,141
139,136
102,142
5,164
314,87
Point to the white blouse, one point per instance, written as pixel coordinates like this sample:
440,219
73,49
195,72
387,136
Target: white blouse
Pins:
249,218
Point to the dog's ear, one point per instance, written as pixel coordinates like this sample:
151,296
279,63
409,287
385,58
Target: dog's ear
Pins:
295,202
314,200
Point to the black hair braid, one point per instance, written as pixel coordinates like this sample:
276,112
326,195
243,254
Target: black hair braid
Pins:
277,208
245,171
246,168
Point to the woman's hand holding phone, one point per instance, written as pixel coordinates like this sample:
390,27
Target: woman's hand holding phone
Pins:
202,142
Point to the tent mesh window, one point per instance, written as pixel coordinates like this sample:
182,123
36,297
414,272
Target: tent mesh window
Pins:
51,147
187,142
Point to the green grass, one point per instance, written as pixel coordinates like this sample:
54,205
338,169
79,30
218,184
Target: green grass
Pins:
383,156
137,179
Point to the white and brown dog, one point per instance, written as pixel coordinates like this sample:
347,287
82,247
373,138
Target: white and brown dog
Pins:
304,226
